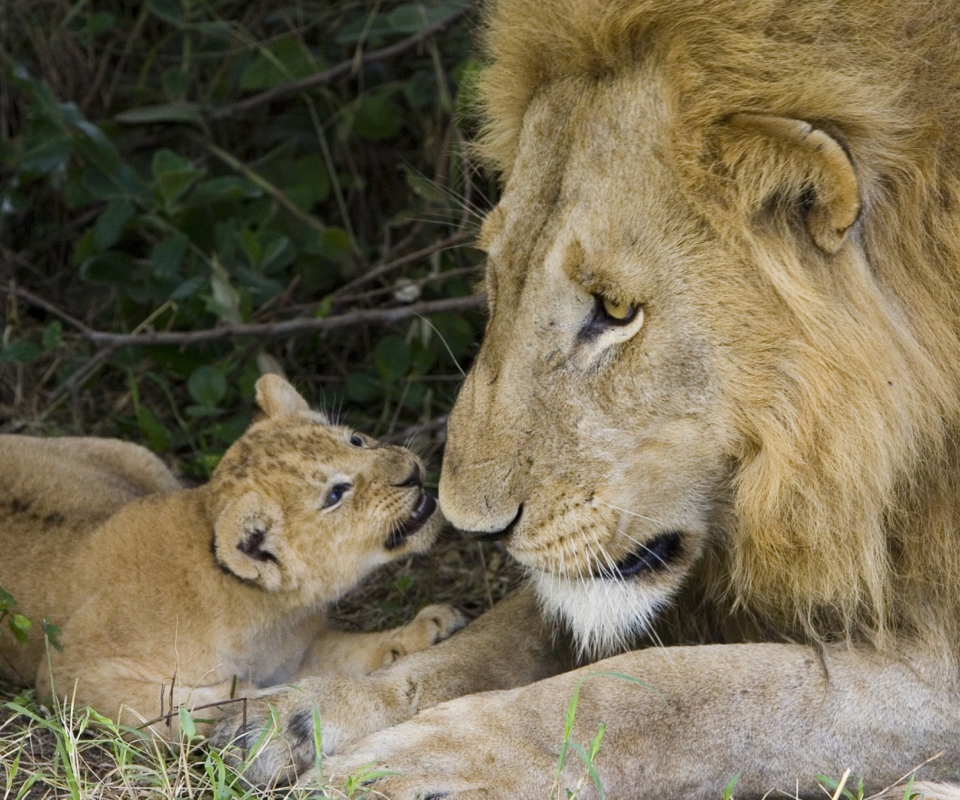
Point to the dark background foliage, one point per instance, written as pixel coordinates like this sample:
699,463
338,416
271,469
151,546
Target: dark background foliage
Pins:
193,191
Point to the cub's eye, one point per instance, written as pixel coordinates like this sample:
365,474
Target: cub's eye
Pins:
356,441
615,311
335,495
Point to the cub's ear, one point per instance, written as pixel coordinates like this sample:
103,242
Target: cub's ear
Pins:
781,159
276,397
246,538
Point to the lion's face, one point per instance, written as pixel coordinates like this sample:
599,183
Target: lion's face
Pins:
310,508
598,422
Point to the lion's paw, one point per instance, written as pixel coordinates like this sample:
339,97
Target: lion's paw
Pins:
472,748
273,736
269,737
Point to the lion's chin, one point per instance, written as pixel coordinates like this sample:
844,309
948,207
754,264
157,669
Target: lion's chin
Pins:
604,615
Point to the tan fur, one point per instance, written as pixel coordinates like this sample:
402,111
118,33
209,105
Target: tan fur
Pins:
169,596
760,449
842,398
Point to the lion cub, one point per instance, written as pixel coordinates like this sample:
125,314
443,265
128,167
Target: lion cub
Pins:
172,597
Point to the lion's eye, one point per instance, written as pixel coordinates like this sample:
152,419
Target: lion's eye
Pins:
335,495
616,321
356,441
616,311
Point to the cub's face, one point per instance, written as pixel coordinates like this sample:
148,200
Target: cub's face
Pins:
306,507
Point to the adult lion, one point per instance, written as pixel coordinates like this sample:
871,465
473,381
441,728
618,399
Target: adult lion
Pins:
718,403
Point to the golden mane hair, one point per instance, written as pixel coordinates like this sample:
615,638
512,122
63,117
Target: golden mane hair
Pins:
846,491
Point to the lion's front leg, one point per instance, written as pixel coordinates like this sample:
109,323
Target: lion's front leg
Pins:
506,647
689,720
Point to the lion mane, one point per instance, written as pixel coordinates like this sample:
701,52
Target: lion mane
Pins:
846,491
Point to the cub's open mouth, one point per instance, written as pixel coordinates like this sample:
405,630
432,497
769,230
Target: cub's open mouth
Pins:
422,512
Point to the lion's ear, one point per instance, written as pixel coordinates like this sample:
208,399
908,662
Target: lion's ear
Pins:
246,536
800,163
276,397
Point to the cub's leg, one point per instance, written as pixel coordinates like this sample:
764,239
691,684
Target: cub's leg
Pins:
344,653
143,704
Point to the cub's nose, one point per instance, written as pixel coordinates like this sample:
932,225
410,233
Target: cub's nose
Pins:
415,478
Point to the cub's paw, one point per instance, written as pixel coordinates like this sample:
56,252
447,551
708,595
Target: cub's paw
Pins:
433,624
439,622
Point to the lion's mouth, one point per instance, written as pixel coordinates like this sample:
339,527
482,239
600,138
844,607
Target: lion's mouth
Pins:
653,556
421,513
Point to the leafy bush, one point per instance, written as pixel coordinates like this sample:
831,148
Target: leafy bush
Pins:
194,190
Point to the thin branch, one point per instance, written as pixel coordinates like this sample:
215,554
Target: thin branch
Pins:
50,308
443,244
382,316
78,377
343,68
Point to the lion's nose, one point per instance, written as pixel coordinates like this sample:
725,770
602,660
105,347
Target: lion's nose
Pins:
496,534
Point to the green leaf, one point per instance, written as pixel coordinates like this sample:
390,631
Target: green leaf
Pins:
375,116
455,333
285,60
277,254
99,22
110,224
52,634
413,395
225,302
325,307
173,175
52,334
189,288
372,31
165,112
591,769
108,267
251,247
21,350
414,17
7,600
186,723
167,10
47,156
363,388
219,190
424,187
175,82
20,627
207,385
306,181
168,255
423,359
392,358
334,244
155,432
728,789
